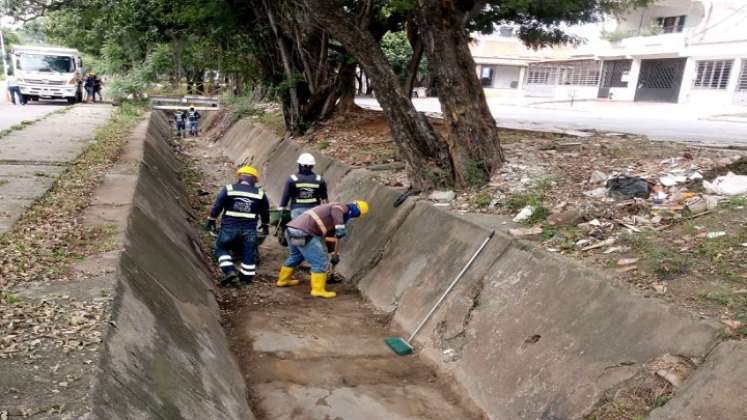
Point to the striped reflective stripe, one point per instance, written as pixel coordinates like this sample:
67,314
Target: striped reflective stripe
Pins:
305,200
318,221
339,226
257,196
226,263
241,214
225,258
246,272
307,185
248,267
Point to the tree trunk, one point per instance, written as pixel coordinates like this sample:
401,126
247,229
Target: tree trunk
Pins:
346,87
472,133
292,107
425,153
412,68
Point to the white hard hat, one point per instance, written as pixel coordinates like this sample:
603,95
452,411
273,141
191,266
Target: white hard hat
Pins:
306,159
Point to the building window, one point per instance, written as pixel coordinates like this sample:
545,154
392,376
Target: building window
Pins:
486,76
506,31
671,24
742,83
580,74
541,75
713,74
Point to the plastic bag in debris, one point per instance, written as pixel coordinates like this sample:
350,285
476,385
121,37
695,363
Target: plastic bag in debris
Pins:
625,187
728,184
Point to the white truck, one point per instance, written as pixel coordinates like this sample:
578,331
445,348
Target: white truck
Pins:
48,72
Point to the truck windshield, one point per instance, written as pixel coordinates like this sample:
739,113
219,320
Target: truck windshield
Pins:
46,63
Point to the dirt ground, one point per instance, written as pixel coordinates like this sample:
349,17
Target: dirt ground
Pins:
654,245
307,358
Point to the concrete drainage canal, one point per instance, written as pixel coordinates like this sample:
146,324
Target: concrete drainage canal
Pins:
306,358
514,340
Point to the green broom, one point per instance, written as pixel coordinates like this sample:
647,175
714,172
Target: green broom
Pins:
403,347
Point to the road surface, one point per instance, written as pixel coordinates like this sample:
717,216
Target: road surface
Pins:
11,115
32,158
657,121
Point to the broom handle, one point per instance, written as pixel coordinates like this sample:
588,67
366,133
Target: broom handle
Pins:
451,286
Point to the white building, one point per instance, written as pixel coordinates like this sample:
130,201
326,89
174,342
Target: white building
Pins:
681,51
502,60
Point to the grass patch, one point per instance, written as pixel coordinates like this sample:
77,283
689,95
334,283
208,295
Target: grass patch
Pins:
51,234
533,196
274,120
9,299
323,144
482,199
4,182
664,262
477,173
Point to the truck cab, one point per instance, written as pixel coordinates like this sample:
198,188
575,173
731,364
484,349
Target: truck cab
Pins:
48,72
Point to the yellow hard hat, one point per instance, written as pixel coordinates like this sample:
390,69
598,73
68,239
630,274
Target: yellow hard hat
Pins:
248,170
362,206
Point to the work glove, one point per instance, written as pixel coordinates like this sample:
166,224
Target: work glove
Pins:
335,259
341,232
210,225
285,217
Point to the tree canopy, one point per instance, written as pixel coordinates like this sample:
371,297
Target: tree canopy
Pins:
306,54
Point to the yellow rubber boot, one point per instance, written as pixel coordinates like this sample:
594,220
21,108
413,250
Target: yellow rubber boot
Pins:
319,286
284,279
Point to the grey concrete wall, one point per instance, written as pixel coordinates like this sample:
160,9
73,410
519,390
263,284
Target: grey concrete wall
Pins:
529,335
165,354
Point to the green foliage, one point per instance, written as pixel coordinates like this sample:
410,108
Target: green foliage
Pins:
482,199
398,52
476,173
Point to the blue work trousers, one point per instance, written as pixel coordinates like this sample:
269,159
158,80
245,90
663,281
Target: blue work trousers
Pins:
242,242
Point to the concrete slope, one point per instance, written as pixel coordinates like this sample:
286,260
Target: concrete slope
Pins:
526,334
716,391
166,355
31,159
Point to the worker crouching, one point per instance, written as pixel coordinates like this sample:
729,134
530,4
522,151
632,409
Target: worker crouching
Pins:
242,205
305,235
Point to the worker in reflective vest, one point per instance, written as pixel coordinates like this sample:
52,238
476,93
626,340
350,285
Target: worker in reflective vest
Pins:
242,205
304,189
305,235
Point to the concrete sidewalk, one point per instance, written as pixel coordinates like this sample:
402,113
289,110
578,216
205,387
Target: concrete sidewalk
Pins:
31,159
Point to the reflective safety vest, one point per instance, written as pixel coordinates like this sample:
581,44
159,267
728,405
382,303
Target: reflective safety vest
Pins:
307,190
240,203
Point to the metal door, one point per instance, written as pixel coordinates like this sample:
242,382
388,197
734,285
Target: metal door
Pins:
660,80
612,75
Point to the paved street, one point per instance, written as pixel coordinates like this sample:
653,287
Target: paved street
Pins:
13,114
31,159
657,121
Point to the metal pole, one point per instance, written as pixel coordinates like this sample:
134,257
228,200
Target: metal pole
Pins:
448,289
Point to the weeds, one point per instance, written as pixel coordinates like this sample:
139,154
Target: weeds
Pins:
482,199
666,263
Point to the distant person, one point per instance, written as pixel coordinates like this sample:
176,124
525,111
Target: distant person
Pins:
180,116
88,85
97,85
14,90
194,119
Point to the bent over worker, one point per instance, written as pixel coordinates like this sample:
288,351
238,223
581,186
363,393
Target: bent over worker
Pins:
304,189
241,204
305,236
